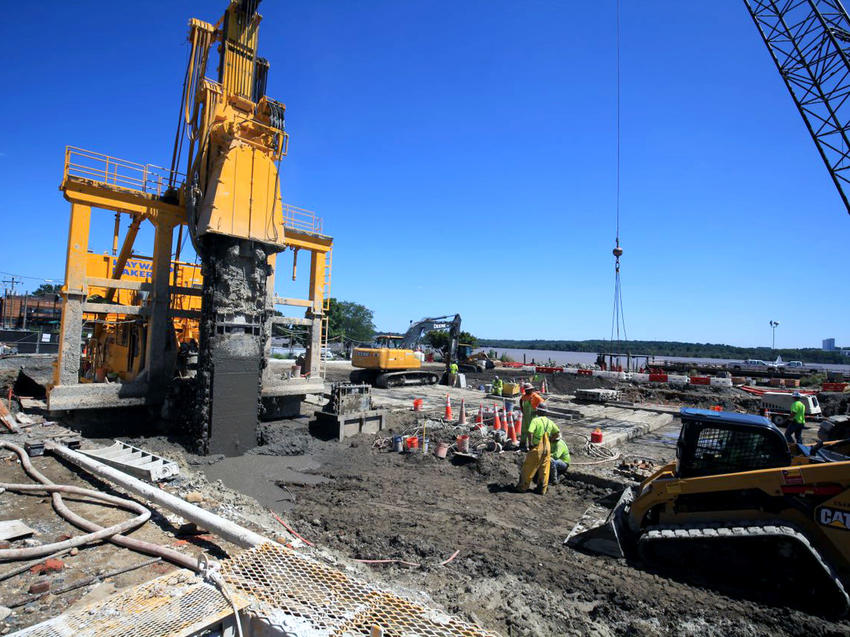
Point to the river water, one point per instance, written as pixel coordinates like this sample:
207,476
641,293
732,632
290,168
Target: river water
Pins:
542,356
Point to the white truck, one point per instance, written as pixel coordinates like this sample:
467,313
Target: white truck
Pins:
778,406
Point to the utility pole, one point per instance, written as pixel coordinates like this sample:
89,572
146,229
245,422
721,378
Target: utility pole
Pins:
7,311
773,326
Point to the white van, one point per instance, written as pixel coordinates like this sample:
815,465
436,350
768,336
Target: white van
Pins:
778,403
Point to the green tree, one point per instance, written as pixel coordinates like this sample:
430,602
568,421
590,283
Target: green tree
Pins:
47,288
350,320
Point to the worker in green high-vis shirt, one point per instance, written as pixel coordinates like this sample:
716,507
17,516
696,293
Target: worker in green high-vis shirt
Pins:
798,420
498,385
453,371
560,461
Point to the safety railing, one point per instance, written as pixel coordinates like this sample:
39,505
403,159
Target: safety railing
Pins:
299,219
120,173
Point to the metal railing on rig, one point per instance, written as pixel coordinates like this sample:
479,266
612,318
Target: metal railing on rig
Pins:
301,219
120,173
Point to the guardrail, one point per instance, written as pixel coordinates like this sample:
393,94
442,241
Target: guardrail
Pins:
301,219
104,169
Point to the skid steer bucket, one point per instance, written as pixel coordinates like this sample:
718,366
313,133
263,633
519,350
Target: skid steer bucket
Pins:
602,530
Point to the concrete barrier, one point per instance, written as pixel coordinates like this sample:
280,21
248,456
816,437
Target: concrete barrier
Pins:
675,379
716,381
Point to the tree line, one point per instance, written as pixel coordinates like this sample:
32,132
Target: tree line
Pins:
675,348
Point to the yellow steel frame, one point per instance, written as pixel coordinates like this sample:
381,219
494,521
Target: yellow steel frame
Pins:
124,188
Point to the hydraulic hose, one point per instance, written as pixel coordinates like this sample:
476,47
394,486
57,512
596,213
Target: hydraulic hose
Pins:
96,531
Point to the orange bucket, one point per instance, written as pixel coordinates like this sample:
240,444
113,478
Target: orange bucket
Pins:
412,443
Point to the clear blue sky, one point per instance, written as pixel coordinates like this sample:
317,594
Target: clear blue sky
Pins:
462,155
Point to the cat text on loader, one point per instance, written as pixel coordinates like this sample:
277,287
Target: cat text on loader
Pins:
742,508
230,139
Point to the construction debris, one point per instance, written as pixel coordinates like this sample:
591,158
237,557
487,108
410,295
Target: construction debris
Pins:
135,461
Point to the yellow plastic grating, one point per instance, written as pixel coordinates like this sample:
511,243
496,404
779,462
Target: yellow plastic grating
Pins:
304,597
176,604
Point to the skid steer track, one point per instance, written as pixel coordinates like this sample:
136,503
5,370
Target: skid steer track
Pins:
772,559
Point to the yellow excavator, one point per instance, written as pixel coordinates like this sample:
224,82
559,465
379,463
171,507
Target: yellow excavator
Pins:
770,516
394,362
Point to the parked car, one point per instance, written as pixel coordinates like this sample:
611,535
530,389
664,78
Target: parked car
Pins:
749,365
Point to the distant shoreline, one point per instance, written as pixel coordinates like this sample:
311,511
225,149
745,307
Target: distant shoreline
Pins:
675,348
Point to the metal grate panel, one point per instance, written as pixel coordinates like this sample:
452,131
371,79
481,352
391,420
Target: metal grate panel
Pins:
176,604
305,597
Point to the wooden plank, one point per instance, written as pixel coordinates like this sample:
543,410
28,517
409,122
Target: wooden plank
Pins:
7,418
190,314
118,284
278,300
14,529
179,289
109,308
289,320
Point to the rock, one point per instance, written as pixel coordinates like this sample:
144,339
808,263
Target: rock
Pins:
74,551
41,586
48,566
194,497
4,612
29,542
4,544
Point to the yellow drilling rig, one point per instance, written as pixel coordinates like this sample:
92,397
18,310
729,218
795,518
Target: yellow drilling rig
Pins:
130,323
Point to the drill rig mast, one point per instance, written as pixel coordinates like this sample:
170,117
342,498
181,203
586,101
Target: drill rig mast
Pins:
229,142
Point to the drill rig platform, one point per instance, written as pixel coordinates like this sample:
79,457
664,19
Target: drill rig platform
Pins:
140,331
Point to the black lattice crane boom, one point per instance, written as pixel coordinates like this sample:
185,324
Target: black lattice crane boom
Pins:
806,39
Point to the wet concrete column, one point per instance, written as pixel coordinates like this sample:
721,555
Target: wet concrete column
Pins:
317,298
160,352
270,308
67,367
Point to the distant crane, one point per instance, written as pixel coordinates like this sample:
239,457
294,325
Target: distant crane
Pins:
807,40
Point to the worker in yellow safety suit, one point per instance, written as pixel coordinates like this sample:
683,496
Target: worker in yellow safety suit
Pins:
538,459
528,404
497,386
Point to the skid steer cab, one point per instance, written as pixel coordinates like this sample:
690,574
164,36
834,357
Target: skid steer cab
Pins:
738,500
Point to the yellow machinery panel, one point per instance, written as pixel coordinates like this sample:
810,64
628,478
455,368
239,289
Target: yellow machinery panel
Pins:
384,358
246,203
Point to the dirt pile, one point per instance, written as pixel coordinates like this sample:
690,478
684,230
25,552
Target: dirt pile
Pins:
512,572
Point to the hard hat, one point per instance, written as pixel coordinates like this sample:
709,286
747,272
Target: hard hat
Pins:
796,394
527,386
542,408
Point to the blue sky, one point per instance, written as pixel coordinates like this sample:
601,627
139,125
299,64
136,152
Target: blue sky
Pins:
462,155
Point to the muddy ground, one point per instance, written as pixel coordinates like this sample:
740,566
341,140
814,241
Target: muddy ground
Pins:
511,573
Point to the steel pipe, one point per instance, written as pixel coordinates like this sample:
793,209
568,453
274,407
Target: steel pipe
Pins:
216,524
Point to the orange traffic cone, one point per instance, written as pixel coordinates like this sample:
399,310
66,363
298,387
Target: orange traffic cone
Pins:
497,424
479,419
462,418
543,388
511,427
448,408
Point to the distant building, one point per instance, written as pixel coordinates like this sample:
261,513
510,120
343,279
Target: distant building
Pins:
829,344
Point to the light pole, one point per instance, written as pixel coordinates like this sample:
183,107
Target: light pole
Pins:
773,326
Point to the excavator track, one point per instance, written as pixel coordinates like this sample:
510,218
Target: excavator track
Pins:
399,379
772,558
